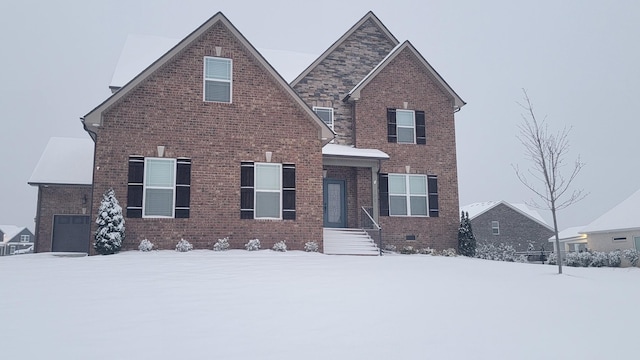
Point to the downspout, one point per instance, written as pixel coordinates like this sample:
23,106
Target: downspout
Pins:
94,137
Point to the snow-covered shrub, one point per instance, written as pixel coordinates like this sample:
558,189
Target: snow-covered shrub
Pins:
521,258
427,251
110,232
408,250
615,258
573,259
449,252
252,245
311,246
508,252
632,256
145,245
280,246
552,259
221,244
390,247
599,259
183,246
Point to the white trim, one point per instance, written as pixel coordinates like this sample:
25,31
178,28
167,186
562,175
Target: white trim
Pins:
255,190
205,79
333,120
495,225
145,187
27,236
413,127
407,194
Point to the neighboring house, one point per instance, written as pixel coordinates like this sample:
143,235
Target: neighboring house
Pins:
571,240
15,240
63,177
499,222
209,141
617,229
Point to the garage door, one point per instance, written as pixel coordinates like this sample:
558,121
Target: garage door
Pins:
71,233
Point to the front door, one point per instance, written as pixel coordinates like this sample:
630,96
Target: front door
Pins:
335,209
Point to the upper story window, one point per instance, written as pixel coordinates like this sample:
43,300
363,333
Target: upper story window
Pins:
495,228
25,238
158,187
218,79
326,114
406,126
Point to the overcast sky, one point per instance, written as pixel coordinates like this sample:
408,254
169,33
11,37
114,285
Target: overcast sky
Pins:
578,61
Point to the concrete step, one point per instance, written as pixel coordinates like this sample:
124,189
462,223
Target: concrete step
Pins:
348,242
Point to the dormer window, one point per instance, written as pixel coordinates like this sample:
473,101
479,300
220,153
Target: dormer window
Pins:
218,78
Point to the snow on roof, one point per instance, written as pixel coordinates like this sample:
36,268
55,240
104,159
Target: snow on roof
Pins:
479,208
10,231
623,216
568,234
140,51
350,151
65,161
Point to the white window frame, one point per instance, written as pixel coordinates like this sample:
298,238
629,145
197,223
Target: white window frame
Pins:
25,238
398,126
205,79
321,108
495,227
256,190
407,195
145,187
12,249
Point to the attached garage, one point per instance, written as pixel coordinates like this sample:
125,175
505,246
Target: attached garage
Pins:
71,233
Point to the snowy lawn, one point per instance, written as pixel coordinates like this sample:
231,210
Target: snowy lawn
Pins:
295,305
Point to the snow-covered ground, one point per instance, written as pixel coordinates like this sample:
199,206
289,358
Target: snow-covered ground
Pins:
295,305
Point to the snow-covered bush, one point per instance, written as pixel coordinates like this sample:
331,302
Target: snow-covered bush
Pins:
427,251
252,245
280,246
632,256
599,259
501,252
390,247
110,232
552,259
183,246
615,258
145,245
521,258
408,250
508,252
449,252
311,246
221,244
575,259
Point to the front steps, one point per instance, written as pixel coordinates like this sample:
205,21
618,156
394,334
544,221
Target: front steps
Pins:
338,241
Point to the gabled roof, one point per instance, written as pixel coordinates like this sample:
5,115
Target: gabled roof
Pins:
368,16
480,208
65,161
93,119
10,231
355,92
623,216
571,234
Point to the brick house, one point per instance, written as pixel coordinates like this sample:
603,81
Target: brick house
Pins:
499,222
209,141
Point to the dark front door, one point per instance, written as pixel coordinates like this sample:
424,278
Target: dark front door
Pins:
71,233
335,204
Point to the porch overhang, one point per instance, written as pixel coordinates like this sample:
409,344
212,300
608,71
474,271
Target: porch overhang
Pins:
343,155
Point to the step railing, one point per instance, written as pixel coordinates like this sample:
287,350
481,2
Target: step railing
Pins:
369,225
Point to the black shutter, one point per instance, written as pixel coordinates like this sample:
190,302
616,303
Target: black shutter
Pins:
392,130
183,188
421,133
383,193
135,186
288,191
246,190
432,183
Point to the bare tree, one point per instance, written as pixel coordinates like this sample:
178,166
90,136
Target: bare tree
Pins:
547,177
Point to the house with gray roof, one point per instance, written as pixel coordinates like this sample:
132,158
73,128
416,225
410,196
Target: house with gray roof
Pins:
15,240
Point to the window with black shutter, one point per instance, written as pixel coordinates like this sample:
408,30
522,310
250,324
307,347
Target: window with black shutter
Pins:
406,126
135,186
288,191
258,196
246,190
383,193
434,208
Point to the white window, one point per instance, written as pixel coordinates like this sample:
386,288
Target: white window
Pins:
407,195
326,114
159,187
217,79
12,249
495,227
25,238
268,190
406,124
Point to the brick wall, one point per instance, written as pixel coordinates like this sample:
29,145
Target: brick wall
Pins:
328,83
168,109
515,229
59,200
406,80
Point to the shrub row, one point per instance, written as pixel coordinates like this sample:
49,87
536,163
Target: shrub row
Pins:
223,244
597,258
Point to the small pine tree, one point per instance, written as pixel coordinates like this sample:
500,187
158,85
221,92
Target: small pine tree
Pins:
466,240
110,233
